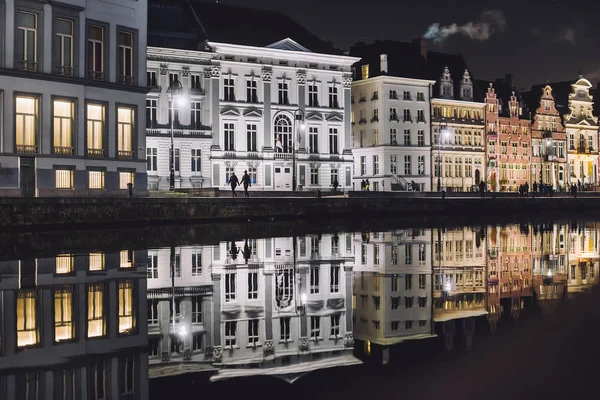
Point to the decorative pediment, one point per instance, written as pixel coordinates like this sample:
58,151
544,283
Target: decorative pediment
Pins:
288,44
335,117
314,116
230,110
253,112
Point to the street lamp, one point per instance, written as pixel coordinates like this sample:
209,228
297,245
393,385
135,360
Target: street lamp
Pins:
443,132
175,91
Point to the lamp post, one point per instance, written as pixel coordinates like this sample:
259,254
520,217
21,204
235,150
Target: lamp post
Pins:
443,131
175,90
298,116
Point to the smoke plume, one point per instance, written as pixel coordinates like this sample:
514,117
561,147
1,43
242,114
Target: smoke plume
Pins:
490,22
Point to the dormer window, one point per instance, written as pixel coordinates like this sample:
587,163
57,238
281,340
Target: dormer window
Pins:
365,71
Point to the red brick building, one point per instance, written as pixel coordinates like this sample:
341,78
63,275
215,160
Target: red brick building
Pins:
508,146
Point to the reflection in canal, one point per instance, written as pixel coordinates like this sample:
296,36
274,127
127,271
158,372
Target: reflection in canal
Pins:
97,325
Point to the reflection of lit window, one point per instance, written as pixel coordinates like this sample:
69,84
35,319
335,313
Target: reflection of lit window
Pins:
253,331
229,287
126,258
315,327
27,327
64,264
96,320
335,325
97,380
126,317
63,313
127,374
96,262
28,385
230,333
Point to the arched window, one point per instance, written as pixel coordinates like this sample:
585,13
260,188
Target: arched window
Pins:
283,134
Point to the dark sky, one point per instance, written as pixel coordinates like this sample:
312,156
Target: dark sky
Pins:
542,40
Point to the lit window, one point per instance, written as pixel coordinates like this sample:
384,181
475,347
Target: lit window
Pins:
64,179
126,317
96,179
365,71
124,179
64,329
27,324
95,130
96,262
26,124
230,333
63,127
126,258
125,132
64,264
96,326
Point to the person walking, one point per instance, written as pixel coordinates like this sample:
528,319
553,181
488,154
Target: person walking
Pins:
367,185
482,189
246,182
363,185
335,184
234,182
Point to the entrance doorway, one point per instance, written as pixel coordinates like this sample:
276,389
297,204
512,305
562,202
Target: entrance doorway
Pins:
27,176
283,178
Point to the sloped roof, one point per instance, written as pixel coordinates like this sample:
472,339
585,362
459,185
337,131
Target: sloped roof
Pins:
560,91
224,23
413,60
504,92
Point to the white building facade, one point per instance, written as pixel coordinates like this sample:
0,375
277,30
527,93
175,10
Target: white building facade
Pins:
392,133
262,110
72,87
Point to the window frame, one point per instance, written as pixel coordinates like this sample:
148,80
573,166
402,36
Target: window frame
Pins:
69,168
134,51
74,127
96,169
104,149
38,98
134,133
32,8
105,50
71,14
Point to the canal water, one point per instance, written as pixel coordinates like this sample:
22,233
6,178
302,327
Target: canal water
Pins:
456,311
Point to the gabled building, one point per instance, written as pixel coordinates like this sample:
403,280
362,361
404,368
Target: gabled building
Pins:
582,135
508,141
270,102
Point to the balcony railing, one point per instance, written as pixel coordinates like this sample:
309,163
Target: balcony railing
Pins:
283,156
153,132
128,154
26,149
95,153
26,65
96,75
230,154
126,80
62,70
420,119
63,150
362,100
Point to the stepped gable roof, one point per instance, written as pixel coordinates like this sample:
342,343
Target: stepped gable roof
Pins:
178,23
504,92
413,60
560,92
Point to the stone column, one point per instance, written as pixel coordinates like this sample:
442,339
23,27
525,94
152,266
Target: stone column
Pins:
207,103
163,100
216,338
207,320
268,138
46,318
347,86
215,94
348,300
268,279
112,383
301,79
164,321
80,303
10,322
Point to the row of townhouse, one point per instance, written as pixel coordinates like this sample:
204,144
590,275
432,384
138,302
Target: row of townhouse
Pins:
287,108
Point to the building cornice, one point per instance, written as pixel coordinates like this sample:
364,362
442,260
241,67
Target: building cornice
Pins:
179,56
394,80
250,51
436,100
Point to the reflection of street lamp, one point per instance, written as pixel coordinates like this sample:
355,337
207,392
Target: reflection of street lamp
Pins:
175,91
443,132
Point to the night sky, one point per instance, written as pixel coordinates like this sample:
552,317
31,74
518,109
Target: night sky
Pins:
536,40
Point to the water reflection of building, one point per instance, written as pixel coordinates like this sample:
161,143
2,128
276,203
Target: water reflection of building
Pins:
584,258
460,289
71,327
392,286
549,259
277,304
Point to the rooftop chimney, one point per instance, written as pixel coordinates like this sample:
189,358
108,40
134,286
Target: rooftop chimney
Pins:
421,47
383,63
